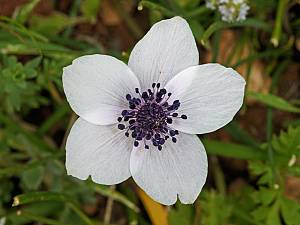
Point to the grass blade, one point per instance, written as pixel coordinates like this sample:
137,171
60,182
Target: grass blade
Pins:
274,101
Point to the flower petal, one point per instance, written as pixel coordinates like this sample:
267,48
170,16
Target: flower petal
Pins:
101,152
96,86
168,48
210,96
179,169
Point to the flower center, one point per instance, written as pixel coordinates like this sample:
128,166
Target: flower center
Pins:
148,117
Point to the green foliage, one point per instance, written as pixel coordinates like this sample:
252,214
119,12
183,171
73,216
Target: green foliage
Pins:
262,171
49,25
288,142
275,102
17,87
214,202
272,205
23,13
182,215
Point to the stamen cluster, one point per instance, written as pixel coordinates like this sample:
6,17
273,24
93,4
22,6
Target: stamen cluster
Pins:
148,117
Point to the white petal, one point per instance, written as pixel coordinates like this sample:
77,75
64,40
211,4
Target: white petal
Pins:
102,152
210,96
96,86
168,48
179,169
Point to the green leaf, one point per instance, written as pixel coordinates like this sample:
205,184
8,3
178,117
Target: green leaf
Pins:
18,89
261,170
274,101
267,210
288,142
40,219
211,203
89,9
265,196
197,11
273,216
52,120
260,213
40,196
240,135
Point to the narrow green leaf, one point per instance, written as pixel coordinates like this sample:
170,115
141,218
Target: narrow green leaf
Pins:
274,101
38,197
50,196
197,12
61,111
39,219
240,135
19,30
197,29
233,150
23,13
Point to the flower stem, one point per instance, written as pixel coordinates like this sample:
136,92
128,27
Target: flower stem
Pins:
269,139
278,23
109,206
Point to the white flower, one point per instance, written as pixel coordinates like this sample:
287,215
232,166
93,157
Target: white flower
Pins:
130,124
230,10
244,8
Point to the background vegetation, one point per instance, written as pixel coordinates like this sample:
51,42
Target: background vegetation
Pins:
254,165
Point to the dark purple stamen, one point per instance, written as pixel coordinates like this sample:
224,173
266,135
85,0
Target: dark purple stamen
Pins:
149,116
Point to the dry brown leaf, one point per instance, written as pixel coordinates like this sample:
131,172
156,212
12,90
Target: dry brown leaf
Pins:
157,213
237,185
108,14
292,190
